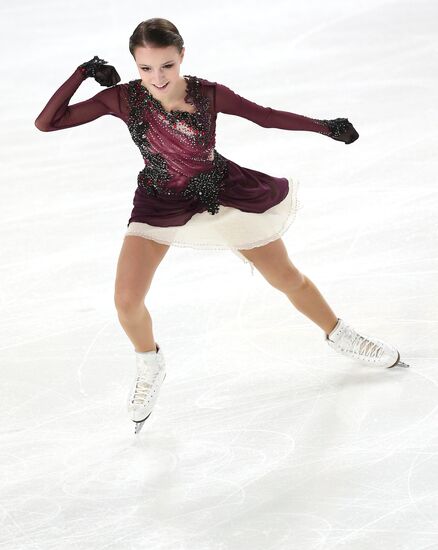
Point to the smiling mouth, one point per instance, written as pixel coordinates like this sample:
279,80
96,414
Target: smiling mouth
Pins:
161,87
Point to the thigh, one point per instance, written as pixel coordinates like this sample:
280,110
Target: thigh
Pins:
137,263
273,262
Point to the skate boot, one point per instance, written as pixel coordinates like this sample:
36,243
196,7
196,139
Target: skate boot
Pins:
144,392
372,351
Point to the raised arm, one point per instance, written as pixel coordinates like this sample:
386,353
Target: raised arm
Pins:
227,101
58,114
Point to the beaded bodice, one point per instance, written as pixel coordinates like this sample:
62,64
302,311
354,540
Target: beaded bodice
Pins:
177,146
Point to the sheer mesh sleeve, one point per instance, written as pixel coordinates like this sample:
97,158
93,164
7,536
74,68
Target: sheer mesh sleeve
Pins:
227,101
58,114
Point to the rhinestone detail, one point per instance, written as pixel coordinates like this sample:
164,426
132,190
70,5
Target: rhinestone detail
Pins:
194,129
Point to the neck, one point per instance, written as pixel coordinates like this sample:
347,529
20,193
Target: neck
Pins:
169,100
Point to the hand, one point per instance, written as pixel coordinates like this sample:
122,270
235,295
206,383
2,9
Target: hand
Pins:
105,75
341,130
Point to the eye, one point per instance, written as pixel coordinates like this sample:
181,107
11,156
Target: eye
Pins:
165,66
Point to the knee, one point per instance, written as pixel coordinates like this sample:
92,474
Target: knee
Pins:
290,280
127,303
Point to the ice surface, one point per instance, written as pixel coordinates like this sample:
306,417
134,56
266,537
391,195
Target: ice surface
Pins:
263,437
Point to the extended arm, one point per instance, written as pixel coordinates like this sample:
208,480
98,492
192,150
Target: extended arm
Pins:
231,103
58,114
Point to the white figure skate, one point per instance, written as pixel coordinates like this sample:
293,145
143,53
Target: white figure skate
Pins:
144,392
372,351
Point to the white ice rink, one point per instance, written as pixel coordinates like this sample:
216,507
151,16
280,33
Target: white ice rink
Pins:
263,438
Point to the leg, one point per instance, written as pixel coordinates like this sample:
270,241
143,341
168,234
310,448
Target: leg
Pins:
138,261
273,262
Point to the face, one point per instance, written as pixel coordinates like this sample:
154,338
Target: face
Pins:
159,67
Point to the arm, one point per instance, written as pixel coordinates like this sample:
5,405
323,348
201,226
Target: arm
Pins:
58,114
231,103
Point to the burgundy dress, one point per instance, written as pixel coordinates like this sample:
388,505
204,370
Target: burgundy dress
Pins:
188,194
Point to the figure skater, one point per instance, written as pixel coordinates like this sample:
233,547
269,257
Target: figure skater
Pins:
188,194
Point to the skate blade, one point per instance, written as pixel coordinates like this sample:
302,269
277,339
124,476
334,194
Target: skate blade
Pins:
139,424
399,364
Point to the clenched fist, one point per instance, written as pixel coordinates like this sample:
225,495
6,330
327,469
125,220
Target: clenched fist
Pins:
341,129
105,75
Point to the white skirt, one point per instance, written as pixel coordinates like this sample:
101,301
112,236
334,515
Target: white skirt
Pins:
229,229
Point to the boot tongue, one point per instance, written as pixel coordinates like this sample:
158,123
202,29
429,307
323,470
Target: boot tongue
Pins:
147,372
148,362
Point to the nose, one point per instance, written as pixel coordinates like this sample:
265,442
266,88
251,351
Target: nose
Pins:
159,77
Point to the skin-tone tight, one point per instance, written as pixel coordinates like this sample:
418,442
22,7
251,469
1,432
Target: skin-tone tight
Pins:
140,257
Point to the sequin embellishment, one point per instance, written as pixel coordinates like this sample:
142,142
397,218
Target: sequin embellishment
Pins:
193,128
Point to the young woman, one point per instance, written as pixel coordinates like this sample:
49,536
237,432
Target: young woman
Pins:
188,194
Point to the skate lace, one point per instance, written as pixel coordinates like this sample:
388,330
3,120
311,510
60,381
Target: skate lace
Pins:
363,346
143,386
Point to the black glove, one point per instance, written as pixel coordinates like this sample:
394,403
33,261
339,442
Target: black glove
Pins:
105,75
341,130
